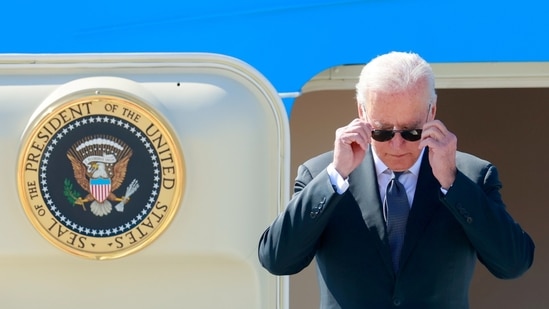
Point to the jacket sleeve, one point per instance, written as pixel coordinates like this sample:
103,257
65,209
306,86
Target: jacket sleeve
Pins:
289,244
501,244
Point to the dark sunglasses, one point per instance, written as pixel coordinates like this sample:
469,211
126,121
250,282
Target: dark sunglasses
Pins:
387,135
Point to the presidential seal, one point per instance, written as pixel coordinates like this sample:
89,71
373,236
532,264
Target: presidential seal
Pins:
100,176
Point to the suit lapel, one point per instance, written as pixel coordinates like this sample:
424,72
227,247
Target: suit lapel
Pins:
364,188
426,201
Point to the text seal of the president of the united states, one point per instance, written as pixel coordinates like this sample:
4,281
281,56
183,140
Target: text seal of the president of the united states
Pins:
100,176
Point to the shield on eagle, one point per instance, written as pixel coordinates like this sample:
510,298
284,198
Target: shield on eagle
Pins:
100,188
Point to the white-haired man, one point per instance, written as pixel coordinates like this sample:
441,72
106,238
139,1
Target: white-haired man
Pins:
395,215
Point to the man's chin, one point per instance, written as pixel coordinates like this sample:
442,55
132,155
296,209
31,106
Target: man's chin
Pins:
399,164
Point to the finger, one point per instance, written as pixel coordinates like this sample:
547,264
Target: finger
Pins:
354,138
357,131
438,136
434,134
435,127
365,131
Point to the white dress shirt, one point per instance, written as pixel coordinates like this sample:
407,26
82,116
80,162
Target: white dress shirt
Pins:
384,175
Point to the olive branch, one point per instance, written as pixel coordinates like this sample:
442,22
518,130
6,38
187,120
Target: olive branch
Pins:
68,191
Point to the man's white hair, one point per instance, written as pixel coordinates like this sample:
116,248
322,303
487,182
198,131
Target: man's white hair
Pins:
395,72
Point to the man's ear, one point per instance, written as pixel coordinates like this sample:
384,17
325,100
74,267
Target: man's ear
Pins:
433,112
361,111
433,109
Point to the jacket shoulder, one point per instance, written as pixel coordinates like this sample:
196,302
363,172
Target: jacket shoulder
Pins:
475,168
469,161
317,164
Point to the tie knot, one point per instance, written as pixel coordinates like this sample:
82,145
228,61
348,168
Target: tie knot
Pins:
398,174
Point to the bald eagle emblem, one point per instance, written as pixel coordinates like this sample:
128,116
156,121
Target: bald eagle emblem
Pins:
99,164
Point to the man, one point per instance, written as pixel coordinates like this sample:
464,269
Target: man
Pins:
395,215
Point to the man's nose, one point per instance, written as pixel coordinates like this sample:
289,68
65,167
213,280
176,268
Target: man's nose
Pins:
397,140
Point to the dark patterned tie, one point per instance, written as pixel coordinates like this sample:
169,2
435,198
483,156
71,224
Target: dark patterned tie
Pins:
397,209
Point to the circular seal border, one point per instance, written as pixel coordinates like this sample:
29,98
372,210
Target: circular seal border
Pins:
164,182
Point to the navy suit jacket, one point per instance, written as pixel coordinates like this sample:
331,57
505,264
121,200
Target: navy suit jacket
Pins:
445,236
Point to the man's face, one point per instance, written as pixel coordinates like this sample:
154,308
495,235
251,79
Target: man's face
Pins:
403,111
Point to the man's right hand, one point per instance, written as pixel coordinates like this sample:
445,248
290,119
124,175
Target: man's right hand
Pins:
350,146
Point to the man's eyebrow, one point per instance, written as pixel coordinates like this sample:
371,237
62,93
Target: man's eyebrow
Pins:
414,125
380,125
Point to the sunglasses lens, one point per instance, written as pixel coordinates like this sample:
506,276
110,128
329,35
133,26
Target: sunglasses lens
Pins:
411,135
382,135
386,135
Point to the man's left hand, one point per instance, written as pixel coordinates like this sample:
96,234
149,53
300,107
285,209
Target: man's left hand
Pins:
442,151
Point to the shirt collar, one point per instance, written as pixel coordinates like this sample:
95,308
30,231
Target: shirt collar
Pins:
382,168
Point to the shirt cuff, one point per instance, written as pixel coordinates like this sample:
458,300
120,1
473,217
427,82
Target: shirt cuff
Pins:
444,191
340,185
